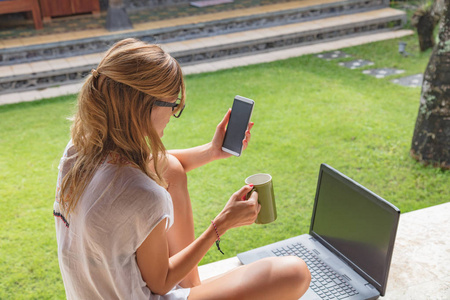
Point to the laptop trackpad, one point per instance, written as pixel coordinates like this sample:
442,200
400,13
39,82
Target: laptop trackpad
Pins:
310,295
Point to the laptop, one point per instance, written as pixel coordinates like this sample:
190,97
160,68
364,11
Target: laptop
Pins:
349,246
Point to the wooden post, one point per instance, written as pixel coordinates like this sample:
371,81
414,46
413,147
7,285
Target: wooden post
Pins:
117,18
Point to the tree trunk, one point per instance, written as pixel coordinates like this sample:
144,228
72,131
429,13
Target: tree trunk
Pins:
431,139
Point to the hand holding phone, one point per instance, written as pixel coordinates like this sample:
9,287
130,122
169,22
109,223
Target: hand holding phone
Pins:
241,113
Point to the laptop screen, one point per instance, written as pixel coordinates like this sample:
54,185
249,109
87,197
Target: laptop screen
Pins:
356,224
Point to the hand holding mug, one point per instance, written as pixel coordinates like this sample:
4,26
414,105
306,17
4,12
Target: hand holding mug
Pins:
236,212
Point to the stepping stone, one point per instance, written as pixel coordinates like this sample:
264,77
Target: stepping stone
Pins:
381,73
355,64
411,81
333,55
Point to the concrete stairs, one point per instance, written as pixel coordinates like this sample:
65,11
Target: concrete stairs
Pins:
199,42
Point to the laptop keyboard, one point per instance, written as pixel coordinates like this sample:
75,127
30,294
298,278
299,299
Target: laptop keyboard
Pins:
325,282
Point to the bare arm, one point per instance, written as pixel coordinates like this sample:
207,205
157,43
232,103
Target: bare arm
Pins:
198,156
162,273
193,158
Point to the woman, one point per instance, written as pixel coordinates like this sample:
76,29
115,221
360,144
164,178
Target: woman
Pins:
124,221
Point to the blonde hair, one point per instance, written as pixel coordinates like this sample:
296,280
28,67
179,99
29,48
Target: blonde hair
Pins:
113,113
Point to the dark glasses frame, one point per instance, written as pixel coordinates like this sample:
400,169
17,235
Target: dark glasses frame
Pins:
174,105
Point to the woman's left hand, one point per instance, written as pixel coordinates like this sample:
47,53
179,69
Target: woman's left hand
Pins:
219,135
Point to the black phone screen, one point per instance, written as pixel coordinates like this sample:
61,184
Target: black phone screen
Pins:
239,118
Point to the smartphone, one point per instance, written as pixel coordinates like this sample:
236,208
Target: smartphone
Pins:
241,113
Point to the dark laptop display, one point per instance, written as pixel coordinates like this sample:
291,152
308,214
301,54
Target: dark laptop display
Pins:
355,223
352,231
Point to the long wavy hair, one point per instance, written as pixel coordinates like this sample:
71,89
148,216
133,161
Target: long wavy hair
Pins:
113,114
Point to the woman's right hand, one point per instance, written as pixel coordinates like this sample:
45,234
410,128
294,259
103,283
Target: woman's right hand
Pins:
238,212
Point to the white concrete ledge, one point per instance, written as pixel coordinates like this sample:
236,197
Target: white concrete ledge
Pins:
420,267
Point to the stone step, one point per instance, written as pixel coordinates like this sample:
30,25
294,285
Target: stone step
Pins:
38,75
188,28
292,35
212,66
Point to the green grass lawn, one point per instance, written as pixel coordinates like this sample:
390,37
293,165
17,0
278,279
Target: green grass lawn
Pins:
308,111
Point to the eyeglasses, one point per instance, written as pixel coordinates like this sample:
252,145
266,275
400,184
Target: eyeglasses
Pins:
174,106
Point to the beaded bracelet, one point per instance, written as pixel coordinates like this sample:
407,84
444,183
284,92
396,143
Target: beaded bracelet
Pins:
218,237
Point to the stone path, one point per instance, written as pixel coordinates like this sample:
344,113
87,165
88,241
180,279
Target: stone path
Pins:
411,81
408,81
355,64
333,55
383,72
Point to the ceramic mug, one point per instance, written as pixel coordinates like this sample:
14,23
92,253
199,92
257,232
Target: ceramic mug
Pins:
263,185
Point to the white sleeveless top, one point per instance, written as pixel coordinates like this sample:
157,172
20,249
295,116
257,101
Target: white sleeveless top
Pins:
97,244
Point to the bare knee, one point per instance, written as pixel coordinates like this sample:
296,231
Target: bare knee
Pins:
297,275
294,276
